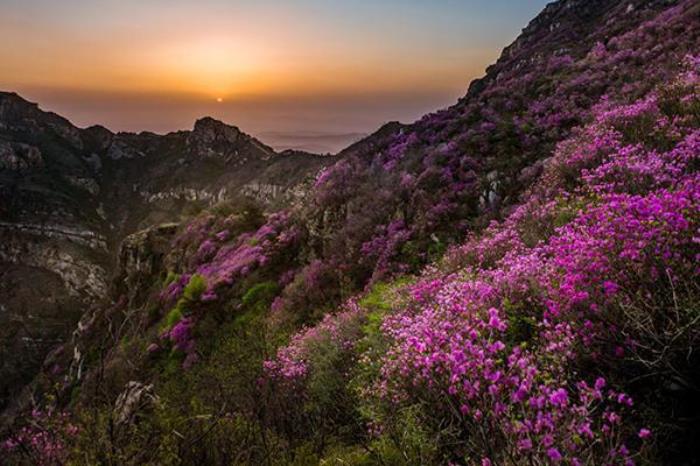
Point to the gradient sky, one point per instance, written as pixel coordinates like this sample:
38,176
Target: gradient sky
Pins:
295,73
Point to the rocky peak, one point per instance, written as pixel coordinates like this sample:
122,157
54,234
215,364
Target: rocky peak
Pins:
214,138
565,28
209,130
23,117
98,136
14,109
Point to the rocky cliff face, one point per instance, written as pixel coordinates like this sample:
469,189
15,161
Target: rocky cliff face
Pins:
194,309
69,196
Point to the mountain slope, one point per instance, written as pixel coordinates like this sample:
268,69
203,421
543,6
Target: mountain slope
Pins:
69,196
560,332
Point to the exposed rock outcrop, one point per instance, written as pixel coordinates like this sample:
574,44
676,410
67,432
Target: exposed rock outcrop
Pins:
135,398
69,196
19,157
140,260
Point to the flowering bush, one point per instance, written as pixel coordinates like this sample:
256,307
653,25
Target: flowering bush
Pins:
43,441
340,330
561,326
497,340
250,251
511,402
221,263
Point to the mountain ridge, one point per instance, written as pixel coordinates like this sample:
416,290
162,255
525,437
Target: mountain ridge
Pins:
71,195
304,326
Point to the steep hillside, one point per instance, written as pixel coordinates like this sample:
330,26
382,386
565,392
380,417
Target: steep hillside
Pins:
69,196
511,280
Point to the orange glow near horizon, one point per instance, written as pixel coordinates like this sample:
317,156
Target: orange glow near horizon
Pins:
291,66
230,61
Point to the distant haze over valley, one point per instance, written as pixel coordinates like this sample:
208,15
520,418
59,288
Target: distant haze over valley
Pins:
320,124
313,74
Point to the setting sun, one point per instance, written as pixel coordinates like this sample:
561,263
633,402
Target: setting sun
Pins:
357,232
276,66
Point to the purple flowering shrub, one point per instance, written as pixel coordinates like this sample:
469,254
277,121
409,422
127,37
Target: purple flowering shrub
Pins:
250,251
43,441
313,290
509,401
518,345
220,264
341,330
223,250
313,373
203,236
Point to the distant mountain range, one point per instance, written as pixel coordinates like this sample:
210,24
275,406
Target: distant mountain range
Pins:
68,196
511,280
318,142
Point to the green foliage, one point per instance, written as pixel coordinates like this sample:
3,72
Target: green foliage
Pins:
347,455
172,365
381,298
260,295
198,417
247,212
224,209
329,400
377,297
192,209
411,253
191,293
194,288
171,278
304,455
521,325
410,442
172,318
536,227
436,249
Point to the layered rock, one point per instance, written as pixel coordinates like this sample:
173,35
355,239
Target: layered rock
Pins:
69,196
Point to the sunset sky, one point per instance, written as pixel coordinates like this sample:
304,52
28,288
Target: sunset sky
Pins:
286,71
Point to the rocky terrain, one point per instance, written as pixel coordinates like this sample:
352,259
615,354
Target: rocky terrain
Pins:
512,280
69,197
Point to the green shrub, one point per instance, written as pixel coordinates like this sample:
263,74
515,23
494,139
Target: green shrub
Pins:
171,278
194,288
260,295
410,440
173,317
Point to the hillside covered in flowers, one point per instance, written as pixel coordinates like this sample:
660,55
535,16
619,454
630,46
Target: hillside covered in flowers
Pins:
509,281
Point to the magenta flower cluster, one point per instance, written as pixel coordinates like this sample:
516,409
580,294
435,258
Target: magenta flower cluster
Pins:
341,330
44,440
222,260
250,251
494,337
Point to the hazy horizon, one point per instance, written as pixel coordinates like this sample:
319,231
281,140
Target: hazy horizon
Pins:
302,74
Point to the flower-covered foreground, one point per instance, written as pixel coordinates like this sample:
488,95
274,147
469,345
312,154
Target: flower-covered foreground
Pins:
521,341
512,280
